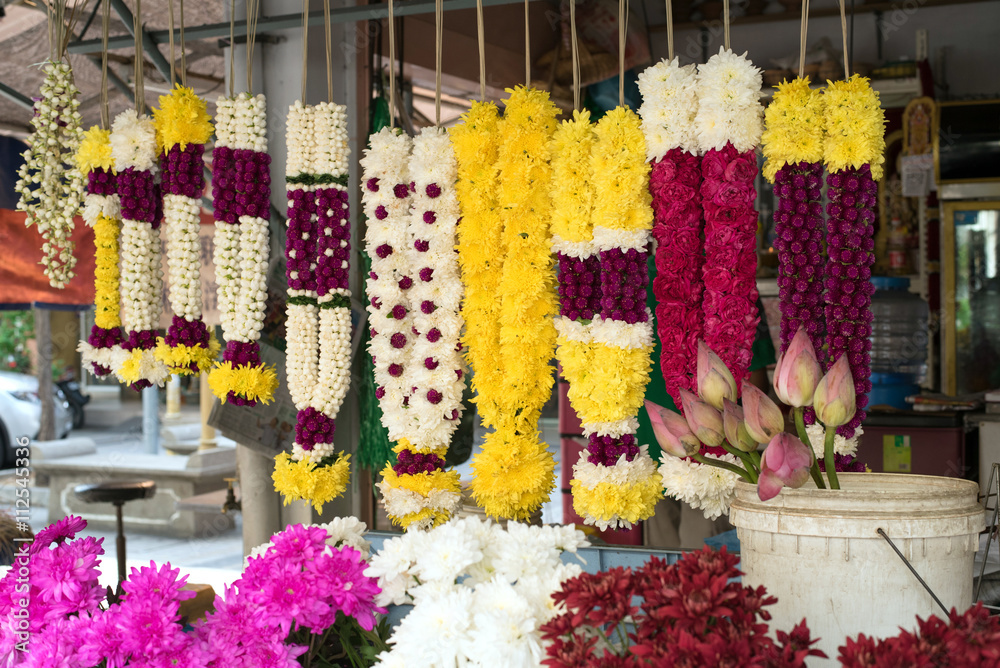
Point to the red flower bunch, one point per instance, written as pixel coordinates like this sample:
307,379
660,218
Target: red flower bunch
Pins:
673,182
730,300
969,640
690,615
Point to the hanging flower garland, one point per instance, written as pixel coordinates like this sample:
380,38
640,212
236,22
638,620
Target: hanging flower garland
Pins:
318,307
793,152
133,147
182,129
728,124
417,490
670,102
50,189
854,151
241,181
514,473
102,352
615,483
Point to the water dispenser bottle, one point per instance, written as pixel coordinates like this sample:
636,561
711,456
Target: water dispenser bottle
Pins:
899,342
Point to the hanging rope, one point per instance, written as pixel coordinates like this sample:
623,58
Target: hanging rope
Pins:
140,92
305,47
329,50
670,30
392,64
802,38
252,15
843,29
725,22
622,27
575,51
105,23
527,47
173,54
438,49
184,66
482,49
232,45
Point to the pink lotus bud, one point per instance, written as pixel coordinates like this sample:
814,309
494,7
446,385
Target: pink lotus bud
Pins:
786,461
735,428
834,401
797,372
763,418
715,382
705,421
672,431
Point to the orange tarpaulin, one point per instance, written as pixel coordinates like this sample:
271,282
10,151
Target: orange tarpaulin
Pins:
22,283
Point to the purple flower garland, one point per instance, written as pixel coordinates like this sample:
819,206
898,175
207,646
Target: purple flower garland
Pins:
850,246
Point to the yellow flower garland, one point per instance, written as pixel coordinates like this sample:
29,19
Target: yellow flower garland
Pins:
515,472
621,173
254,383
572,191
855,126
95,151
606,500
794,126
106,296
180,357
181,119
304,480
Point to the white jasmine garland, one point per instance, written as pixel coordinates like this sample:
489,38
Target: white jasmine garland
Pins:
334,359
49,186
707,488
248,320
302,362
141,276
729,108
182,219
227,273
669,104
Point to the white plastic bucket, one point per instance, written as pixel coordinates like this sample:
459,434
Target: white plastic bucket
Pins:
819,553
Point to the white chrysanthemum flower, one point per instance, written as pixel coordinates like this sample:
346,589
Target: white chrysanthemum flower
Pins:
133,142
703,487
669,104
729,108
841,445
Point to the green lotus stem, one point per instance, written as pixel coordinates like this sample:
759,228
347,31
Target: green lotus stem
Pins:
701,459
745,457
800,426
755,455
828,458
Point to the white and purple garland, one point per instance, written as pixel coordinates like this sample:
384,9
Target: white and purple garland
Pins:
318,259
241,182
133,148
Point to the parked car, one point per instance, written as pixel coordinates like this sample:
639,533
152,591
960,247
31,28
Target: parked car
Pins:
21,412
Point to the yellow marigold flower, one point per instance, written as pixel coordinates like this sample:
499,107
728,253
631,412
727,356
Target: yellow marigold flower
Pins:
855,126
181,119
106,294
621,173
95,151
794,126
572,190
632,503
254,383
179,358
304,480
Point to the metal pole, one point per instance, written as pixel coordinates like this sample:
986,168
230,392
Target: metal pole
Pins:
151,419
120,542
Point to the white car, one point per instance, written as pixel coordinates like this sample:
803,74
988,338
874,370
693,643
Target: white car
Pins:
21,412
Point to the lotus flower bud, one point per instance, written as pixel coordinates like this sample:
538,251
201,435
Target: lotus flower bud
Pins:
762,416
735,428
672,431
834,400
786,461
715,382
705,421
797,372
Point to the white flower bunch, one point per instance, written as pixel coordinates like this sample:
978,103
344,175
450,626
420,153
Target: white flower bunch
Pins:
182,219
331,150
729,108
247,125
94,205
299,139
480,592
133,142
248,319
385,166
343,532
227,273
669,104
49,186
433,166
706,488
841,445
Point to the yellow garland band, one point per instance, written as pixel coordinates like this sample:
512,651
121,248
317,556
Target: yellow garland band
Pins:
182,119
306,481
106,297
255,383
423,486
610,382
855,126
572,191
606,500
95,151
793,130
514,473
180,357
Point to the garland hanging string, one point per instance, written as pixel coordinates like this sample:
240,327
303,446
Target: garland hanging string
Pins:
843,30
622,26
725,22
438,48
392,64
305,47
482,49
252,14
670,30
802,38
232,45
173,53
105,110
527,47
140,92
329,51
183,49
575,52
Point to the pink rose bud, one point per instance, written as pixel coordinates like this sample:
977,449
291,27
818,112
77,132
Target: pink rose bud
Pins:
705,421
834,401
715,382
797,372
762,416
786,461
735,427
672,431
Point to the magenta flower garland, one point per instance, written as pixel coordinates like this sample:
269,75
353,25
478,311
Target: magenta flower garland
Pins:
850,245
